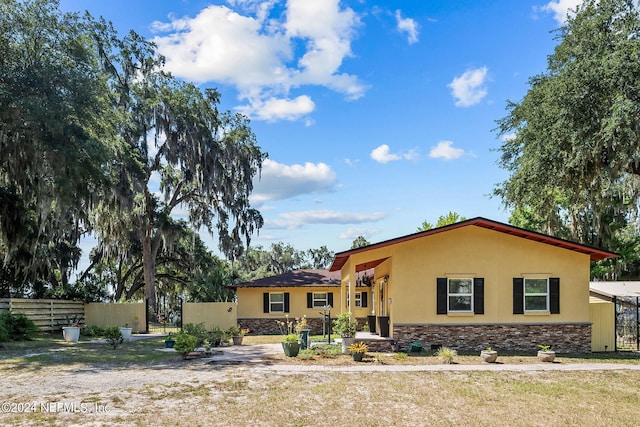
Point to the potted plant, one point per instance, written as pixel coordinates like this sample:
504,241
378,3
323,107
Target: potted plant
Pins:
358,349
345,325
126,332
169,342
291,345
545,354
290,339
71,332
489,355
237,333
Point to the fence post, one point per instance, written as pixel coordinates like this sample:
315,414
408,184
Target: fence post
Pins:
146,315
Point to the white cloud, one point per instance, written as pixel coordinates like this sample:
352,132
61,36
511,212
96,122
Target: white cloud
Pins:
509,137
293,220
265,53
409,26
561,8
382,154
469,89
273,109
279,181
445,150
352,233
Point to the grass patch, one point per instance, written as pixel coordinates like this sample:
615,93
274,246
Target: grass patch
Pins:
51,350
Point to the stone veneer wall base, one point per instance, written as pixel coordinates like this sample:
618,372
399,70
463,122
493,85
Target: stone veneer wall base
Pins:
562,337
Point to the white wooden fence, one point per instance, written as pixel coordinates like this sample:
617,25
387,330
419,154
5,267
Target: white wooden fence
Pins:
47,314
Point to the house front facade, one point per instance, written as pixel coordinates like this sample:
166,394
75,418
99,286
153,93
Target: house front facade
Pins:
295,294
475,284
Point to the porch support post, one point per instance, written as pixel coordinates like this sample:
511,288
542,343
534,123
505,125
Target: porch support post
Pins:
352,286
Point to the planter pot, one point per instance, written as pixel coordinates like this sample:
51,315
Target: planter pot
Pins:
71,333
383,322
305,338
291,349
346,342
371,322
169,343
126,333
357,356
237,340
489,356
546,356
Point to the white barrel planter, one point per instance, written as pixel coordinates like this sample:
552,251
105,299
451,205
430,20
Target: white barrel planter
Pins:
126,333
71,333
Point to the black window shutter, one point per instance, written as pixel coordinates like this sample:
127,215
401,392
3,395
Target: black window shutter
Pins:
441,298
309,299
518,295
554,295
286,302
478,295
330,299
363,298
265,302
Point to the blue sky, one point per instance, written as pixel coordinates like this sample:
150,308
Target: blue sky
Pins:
376,115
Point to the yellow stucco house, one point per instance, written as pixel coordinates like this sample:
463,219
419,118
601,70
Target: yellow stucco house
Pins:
297,293
475,284
469,285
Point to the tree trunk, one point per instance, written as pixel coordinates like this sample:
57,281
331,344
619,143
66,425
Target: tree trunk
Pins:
149,268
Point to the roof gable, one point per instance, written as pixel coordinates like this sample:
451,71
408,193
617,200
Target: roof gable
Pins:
295,278
594,253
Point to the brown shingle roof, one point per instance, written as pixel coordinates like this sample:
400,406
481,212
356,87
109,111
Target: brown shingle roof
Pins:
296,278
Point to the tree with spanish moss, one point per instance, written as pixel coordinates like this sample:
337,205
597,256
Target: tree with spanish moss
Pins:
572,144
205,159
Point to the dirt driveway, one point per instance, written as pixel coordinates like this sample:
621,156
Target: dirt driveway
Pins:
242,385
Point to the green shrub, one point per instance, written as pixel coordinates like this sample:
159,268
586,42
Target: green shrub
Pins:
4,334
185,343
306,354
345,325
114,336
327,349
199,331
93,331
18,327
446,354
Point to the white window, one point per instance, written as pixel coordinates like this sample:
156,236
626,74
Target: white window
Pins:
460,295
276,302
320,299
358,299
536,294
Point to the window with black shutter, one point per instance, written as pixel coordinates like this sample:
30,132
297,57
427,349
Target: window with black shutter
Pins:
518,295
441,295
275,302
536,295
478,295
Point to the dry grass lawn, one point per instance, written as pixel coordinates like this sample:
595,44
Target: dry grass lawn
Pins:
171,392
